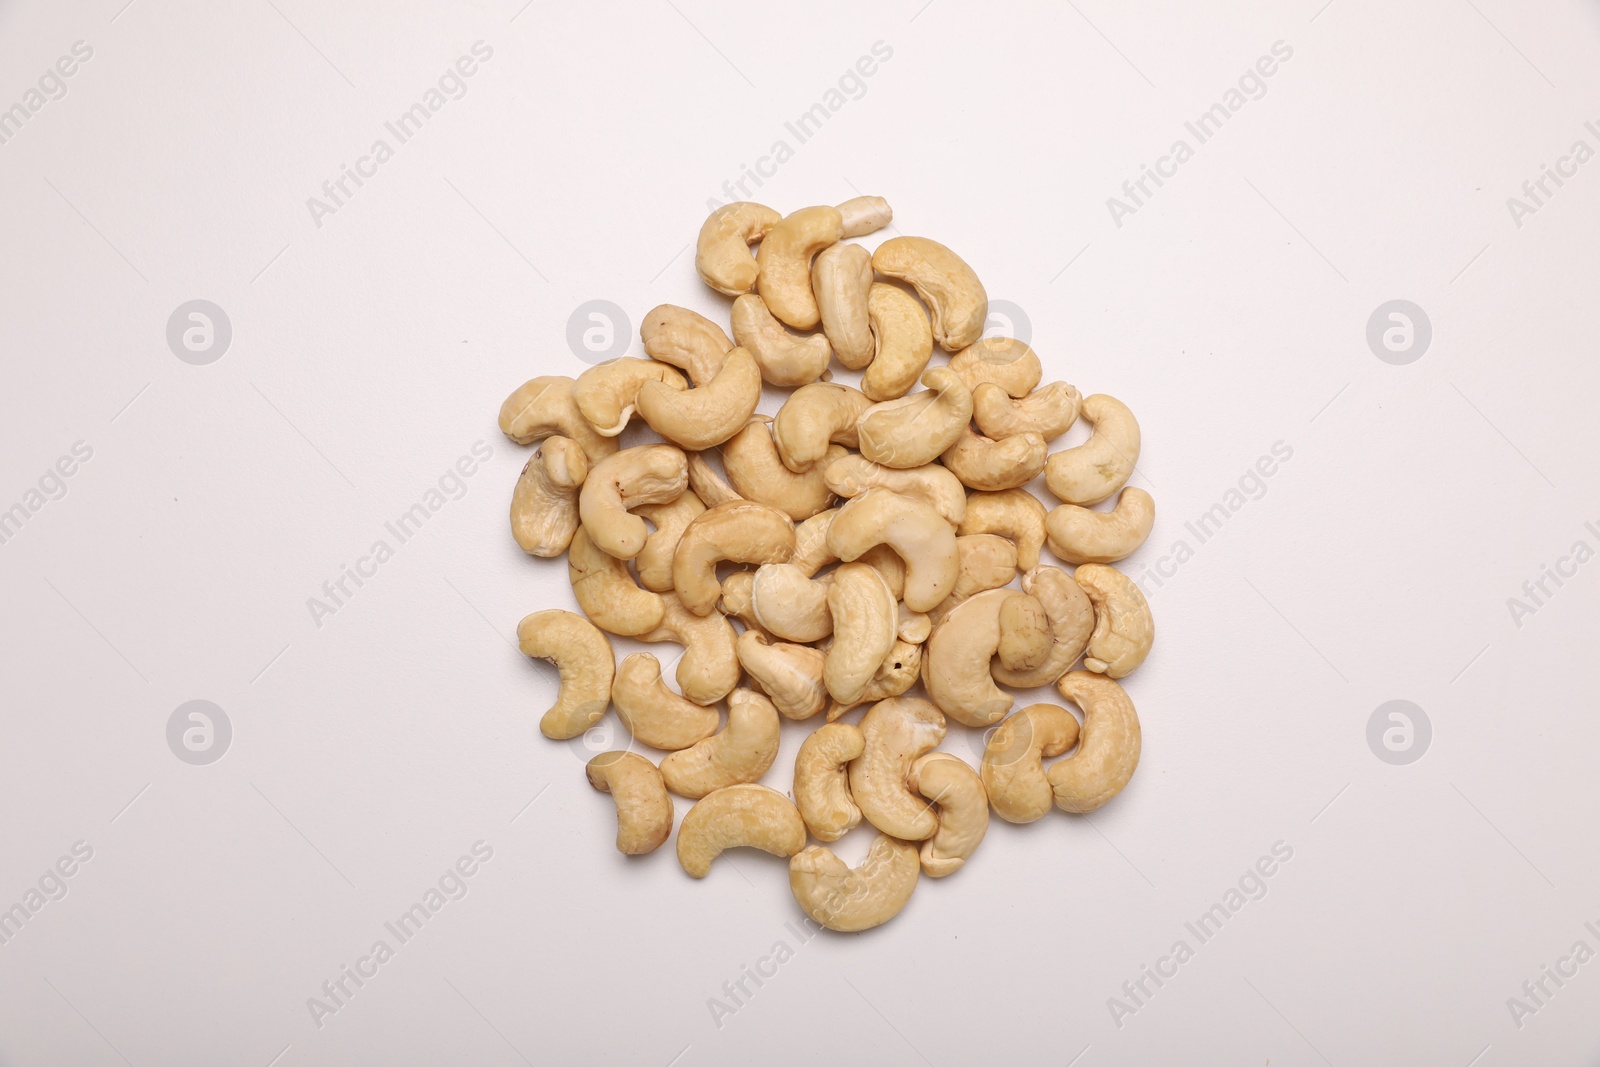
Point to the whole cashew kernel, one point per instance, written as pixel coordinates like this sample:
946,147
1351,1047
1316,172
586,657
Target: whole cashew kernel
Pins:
850,475
948,286
741,752
850,900
544,504
1026,639
606,591
987,561
1108,753
654,714
584,659
649,474
1071,618
708,414
912,529
654,563
841,278
1005,361
608,392
686,339
991,466
822,784
790,605
1048,411
955,669
544,407
757,472
707,484
902,342
747,815
744,532
1123,629
709,668
790,674
1101,465
784,358
784,262
644,811
896,732
722,253
814,416
1013,761
1014,514
862,215
917,428
963,803
1079,535
865,620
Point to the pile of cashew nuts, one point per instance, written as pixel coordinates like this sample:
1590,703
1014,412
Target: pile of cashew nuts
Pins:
830,557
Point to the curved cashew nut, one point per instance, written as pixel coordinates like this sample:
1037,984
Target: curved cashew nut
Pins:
585,661
1109,751
992,466
788,604
903,342
654,714
708,414
784,358
790,674
648,474
1014,514
865,621
841,278
757,472
1048,411
916,429
686,339
606,591
851,475
1013,762
709,668
1026,639
707,484
812,417
544,505
1079,535
948,286
811,552
744,532
1005,361
822,784
784,262
722,253
654,563
1123,629
544,407
890,566
955,669
958,793
896,732
608,392
738,815
1071,618
987,561
644,811
850,900
1101,465
741,752
912,529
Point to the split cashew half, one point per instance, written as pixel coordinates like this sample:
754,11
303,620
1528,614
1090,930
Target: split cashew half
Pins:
654,563
790,674
654,714
963,804
1013,761
544,407
722,253
1071,617
757,472
743,532
814,416
1108,753
608,392
865,624
917,428
1005,361
1014,514
1101,465
709,668
784,263
850,900
1048,411
948,286
708,414
955,667
544,504
648,474
912,529
582,656
741,752
822,783
785,358
606,591
686,339
902,341
841,279
644,811
896,732
991,466
1123,629
851,475
1079,535
747,815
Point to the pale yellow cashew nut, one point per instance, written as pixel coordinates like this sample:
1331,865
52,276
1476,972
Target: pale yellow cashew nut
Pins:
822,782
788,604
811,552
644,811
948,286
654,714
544,504
648,474
1101,465
896,732
740,752
813,417
955,668
862,215
963,805
722,252
709,668
916,429
897,674
606,591
1014,514
709,414
1123,628
865,623
987,561
850,900
608,392
841,278
790,674
912,529
1026,639
735,816
1079,535
1071,617
582,655
852,475
544,407
1013,761
743,532
1005,361
784,263
708,484
1048,411
1108,753
991,466
902,342
686,339
654,563
757,472
785,359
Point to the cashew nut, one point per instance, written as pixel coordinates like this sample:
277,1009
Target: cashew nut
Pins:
865,621
747,815
1026,639
903,342
744,532
606,591
784,358
608,392
812,417
1079,535
1048,411
1108,753
790,605
1123,629
916,429
790,674
709,668
851,475
686,339
757,472
741,752
544,407
1005,361
644,811
1097,468
840,279
1013,761
955,669
544,504
987,561
896,674
912,529
737,601
850,900
1014,514
784,262
991,466
654,714
649,474
862,215
722,253
654,563
913,626
1071,618
822,784
708,484
948,286
811,552
584,659
958,793
896,732
708,414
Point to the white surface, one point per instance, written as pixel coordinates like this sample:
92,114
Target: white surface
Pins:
372,352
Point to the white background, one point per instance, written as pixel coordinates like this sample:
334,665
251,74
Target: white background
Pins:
371,352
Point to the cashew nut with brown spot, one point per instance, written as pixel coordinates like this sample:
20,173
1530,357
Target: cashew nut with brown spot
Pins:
606,591
912,529
963,804
896,674
722,253
948,286
648,474
608,392
987,561
1005,361
1026,639
1013,761
1048,411
741,752
851,475
686,339
1079,535
841,278
735,816
644,811
991,466
709,668
757,472
1101,465
822,783
1123,628
865,620
654,563
955,669
814,416
790,674
1014,514
583,657
707,483
861,215
743,532
853,899
1108,752
789,605
902,342
544,504
896,732
708,414
654,714
785,358
1071,617
544,407
918,428
784,262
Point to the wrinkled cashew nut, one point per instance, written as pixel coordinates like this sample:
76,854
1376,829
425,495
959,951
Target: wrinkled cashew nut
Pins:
654,563
582,656
991,466
1013,761
747,815
686,339
1005,361
865,621
544,407
654,714
1014,514
757,472
709,668
1071,617
841,278
743,532
1048,411
916,429
1108,752
1079,535
608,392
896,732
822,783
963,805
813,417
902,342
649,474
708,414
741,752
790,674
897,674
1026,639
912,529
784,263
644,811
811,552
544,504
606,591
948,286
722,253
1101,465
707,484
784,358
849,900
851,475
1123,628
955,667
